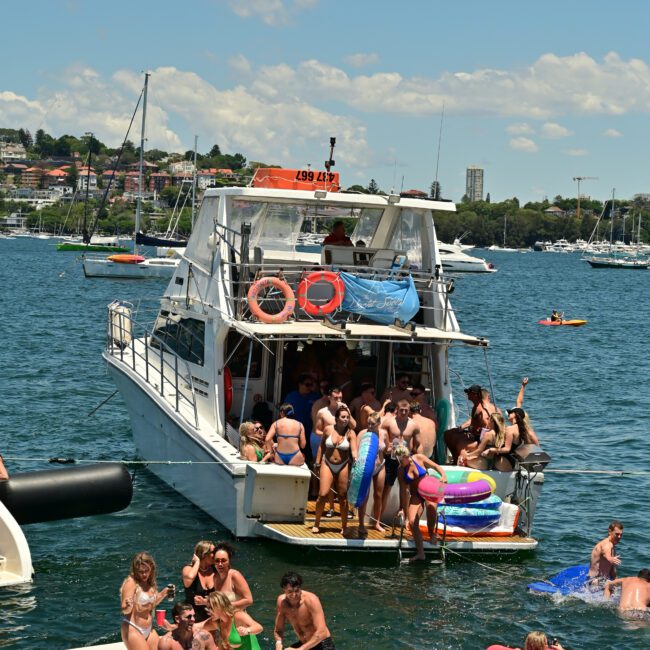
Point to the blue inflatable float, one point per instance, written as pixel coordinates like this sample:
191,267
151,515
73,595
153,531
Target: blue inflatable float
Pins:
361,476
565,582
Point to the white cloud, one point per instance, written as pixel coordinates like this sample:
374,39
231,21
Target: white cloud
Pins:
361,59
271,12
554,131
612,133
523,144
576,152
520,128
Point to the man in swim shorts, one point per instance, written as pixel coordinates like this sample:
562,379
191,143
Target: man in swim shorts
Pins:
469,432
635,592
304,611
604,559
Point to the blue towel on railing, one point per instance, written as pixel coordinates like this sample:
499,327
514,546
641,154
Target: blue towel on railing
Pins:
382,301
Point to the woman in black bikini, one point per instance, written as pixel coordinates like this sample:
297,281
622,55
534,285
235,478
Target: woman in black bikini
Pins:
338,445
198,578
415,469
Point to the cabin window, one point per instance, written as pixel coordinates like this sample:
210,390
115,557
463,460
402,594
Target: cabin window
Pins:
366,225
237,348
184,336
407,235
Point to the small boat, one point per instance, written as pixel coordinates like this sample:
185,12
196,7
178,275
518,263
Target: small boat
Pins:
576,322
454,259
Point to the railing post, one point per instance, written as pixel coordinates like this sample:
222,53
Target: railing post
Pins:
162,373
132,343
176,379
146,356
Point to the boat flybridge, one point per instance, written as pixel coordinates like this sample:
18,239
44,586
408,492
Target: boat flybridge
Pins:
230,332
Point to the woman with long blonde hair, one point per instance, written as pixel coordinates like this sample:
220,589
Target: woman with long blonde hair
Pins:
491,439
231,626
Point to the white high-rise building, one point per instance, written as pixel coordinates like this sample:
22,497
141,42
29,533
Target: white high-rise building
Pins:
474,183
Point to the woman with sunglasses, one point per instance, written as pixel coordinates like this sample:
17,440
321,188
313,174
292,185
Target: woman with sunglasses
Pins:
229,580
231,626
251,441
337,449
198,578
139,597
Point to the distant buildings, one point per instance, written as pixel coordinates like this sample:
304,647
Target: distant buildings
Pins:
474,183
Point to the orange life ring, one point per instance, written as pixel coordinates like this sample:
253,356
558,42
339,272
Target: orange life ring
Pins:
227,389
321,276
281,285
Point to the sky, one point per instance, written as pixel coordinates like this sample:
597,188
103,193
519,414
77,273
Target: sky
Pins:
537,94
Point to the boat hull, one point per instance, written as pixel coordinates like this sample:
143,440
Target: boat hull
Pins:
91,248
567,323
16,559
148,268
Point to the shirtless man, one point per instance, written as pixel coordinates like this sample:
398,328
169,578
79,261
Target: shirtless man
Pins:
185,637
400,430
418,394
400,390
469,432
635,592
425,441
305,613
363,405
603,557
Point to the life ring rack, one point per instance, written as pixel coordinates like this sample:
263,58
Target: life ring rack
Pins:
280,285
321,276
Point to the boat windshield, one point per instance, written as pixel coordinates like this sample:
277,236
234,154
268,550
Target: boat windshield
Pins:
409,233
276,226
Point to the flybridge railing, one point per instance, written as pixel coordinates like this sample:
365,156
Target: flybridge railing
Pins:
272,300
150,358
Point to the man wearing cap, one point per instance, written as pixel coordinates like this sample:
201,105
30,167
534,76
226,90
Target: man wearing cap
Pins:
469,432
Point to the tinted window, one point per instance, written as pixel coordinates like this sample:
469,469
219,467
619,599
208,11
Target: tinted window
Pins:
185,337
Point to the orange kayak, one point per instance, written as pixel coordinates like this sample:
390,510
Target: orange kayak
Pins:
126,259
571,323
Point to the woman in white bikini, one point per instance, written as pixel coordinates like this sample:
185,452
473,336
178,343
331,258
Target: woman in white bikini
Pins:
338,446
228,580
139,598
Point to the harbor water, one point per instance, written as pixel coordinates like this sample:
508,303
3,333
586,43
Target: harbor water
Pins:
587,398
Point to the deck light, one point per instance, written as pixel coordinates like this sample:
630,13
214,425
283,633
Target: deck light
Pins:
393,198
320,194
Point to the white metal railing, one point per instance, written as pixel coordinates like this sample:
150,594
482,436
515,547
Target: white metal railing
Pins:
131,342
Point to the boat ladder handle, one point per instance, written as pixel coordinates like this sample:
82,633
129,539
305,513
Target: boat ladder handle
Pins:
401,518
441,516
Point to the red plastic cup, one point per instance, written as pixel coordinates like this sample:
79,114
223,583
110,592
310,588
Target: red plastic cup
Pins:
160,617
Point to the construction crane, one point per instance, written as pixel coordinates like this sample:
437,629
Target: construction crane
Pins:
579,179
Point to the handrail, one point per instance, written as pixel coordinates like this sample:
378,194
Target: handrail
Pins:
121,336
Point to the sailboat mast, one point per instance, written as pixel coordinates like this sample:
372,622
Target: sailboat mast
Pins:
196,141
611,223
505,217
138,207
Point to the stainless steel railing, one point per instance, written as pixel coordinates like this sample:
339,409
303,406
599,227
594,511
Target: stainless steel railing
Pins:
131,342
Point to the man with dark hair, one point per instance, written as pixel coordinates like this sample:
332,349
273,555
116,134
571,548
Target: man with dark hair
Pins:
338,236
604,560
304,612
635,592
401,389
184,637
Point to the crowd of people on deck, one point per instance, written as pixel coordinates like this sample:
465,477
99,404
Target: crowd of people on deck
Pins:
214,613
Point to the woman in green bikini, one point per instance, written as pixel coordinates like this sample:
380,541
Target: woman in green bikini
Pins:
232,628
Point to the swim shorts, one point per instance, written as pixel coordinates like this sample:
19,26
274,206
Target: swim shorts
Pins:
392,467
325,644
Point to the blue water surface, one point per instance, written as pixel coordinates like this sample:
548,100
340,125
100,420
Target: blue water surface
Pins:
586,398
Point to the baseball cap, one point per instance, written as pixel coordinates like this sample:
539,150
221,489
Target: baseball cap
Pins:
474,388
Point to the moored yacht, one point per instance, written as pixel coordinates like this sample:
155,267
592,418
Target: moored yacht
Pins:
454,259
246,308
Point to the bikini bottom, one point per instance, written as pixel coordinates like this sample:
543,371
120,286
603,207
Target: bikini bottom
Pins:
286,458
336,467
145,631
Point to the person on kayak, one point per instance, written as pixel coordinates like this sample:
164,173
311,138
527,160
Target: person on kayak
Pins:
556,316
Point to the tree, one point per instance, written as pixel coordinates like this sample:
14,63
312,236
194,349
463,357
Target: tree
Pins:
44,143
73,175
215,151
373,188
25,138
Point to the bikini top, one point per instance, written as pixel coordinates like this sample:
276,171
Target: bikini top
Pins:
342,445
143,598
421,472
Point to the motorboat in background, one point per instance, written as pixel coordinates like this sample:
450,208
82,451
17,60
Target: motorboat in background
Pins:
454,259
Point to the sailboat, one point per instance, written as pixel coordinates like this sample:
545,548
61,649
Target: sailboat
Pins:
134,265
611,260
504,248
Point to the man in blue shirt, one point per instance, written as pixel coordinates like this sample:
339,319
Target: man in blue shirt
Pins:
302,399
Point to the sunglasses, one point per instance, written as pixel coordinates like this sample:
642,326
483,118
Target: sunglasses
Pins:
189,617
258,428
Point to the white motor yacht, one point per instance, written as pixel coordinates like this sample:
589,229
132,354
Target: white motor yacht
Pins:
454,259
245,308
